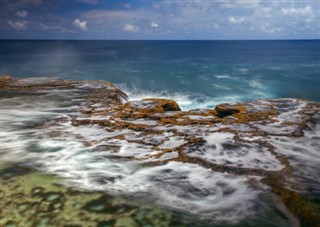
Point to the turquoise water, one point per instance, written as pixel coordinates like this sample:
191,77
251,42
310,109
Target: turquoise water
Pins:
197,74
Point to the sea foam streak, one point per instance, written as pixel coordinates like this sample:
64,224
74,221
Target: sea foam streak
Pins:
59,148
44,133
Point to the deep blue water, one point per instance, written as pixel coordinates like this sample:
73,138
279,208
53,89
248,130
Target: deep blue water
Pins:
197,74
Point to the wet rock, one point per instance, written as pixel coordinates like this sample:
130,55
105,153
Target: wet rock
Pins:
5,80
10,224
99,205
126,222
238,139
224,110
153,105
37,81
147,108
13,171
106,223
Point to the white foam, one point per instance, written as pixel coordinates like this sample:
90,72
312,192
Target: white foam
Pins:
184,100
35,81
95,133
173,142
139,121
200,118
220,148
135,150
98,158
225,76
303,154
143,104
243,70
193,189
237,127
95,85
255,84
21,115
168,155
276,128
221,87
218,138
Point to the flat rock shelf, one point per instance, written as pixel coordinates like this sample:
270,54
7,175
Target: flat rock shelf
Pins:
79,153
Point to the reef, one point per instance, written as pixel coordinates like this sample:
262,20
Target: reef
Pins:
272,143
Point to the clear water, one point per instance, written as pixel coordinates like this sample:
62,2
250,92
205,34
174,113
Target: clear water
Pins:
197,74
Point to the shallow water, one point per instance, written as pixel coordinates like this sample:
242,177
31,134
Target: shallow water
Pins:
37,133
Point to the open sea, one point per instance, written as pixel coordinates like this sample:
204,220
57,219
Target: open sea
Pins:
197,74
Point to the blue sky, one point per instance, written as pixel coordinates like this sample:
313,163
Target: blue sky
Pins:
167,19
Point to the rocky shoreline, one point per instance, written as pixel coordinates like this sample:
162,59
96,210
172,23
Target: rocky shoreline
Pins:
273,143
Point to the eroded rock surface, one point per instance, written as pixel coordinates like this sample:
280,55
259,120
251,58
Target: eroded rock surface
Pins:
153,146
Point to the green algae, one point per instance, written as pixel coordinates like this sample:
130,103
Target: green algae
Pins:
126,222
97,207
52,196
57,205
23,206
33,199
306,210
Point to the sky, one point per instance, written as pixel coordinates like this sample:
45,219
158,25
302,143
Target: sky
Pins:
160,20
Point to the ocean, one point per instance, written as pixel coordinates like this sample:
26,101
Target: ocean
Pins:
197,74
72,155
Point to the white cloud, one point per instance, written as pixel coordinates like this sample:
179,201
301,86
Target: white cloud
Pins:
267,28
235,20
306,13
239,3
22,13
154,25
130,28
82,25
307,10
18,25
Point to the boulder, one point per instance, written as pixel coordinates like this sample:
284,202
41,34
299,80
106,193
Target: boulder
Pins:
224,110
147,108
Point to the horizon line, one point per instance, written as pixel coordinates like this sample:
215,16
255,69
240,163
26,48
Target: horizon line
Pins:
311,39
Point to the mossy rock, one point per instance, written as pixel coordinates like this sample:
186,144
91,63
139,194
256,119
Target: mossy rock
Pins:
126,222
